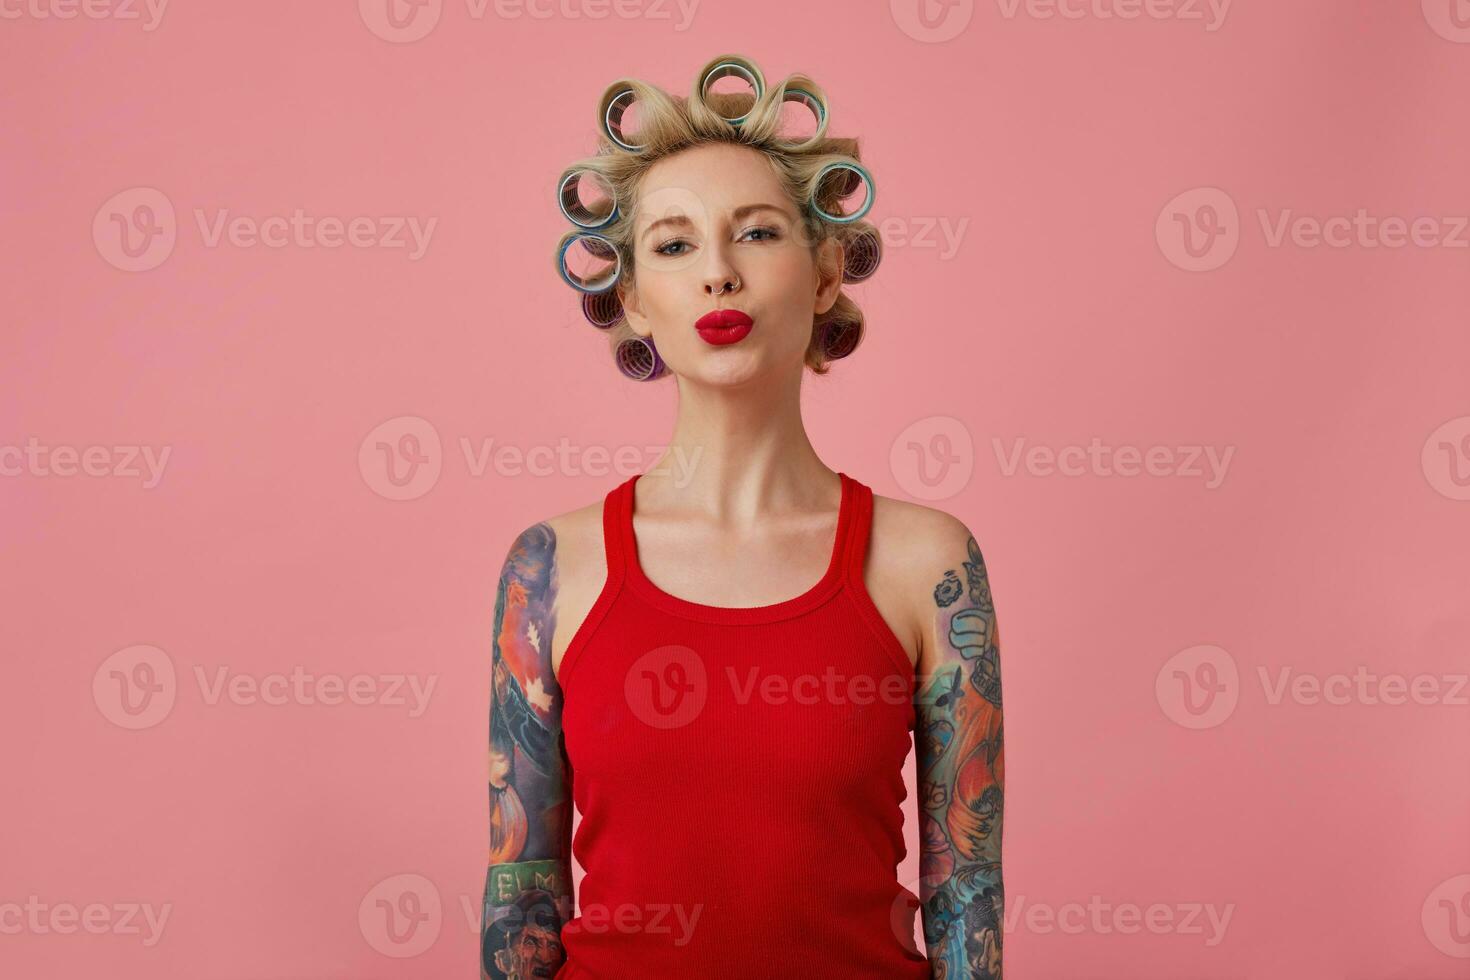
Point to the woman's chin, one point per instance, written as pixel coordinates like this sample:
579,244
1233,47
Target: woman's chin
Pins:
730,368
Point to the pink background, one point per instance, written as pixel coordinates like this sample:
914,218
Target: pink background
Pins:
1334,835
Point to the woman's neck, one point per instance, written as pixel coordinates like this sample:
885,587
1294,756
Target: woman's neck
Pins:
735,454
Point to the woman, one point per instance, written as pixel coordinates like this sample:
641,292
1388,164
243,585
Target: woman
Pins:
724,668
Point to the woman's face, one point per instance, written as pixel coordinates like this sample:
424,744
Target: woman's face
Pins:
715,230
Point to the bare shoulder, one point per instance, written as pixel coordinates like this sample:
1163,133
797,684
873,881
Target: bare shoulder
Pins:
915,550
580,570
914,536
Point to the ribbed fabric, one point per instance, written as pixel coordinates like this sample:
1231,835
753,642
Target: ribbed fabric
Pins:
738,772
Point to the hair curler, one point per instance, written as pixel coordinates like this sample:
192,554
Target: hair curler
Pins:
569,197
600,247
840,339
731,66
847,175
615,102
638,359
802,90
863,251
602,310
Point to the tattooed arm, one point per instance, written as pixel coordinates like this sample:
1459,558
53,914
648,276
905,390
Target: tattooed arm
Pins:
528,883
961,765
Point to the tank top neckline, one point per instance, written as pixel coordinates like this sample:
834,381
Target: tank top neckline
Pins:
822,590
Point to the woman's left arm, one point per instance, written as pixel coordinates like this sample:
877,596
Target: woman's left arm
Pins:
961,764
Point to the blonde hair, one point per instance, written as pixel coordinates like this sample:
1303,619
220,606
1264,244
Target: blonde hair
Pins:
817,172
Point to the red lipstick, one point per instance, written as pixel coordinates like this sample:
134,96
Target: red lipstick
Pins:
721,327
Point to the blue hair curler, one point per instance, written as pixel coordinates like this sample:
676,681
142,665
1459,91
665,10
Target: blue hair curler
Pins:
859,173
610,115
802,90
569,198
732,66
599,246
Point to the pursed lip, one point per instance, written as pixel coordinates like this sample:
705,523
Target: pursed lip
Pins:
722,319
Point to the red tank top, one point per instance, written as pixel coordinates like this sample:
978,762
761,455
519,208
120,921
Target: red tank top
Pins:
739,776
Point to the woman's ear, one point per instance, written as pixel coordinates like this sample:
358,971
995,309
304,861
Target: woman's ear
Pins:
633,311
831,257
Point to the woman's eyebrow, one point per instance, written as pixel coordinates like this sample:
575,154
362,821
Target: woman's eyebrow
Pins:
679,220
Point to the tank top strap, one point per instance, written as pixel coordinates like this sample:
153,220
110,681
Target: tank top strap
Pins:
617,520
859,520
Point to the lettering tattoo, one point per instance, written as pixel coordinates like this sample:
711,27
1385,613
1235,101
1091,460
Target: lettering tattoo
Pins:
528,889
961,761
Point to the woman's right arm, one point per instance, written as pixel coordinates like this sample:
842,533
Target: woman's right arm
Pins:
528,882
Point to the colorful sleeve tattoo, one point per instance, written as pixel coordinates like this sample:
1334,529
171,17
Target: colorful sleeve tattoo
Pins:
961,764
528,888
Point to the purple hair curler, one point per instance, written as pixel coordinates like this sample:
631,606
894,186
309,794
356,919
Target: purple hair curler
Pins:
864,252
638,359
602,310
840,339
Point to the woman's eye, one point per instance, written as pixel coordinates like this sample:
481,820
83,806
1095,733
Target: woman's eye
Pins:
668,248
